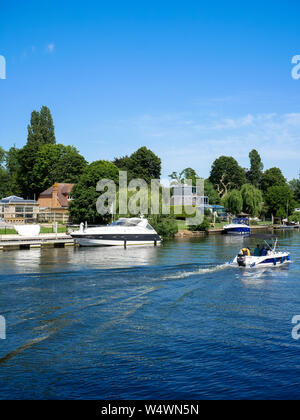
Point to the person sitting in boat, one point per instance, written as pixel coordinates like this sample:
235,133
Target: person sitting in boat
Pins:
257,251
245,251
264,251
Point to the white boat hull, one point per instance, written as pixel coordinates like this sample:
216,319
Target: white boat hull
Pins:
274,259
103,242
237,229
124,232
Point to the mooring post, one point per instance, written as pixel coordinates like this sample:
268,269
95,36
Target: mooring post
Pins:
125,244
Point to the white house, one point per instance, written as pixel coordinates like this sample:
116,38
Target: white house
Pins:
186,195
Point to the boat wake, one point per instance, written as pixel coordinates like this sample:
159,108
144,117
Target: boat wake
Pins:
203,270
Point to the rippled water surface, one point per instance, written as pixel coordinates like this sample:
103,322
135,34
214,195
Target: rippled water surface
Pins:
173,322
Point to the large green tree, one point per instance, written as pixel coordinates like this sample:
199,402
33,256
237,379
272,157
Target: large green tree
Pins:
56,163
226,174
211,192
252,200
280,201
40,132
256,168
4,176
183,176
142,164
233,201
41,127
272,177
83,206
13,167
295,186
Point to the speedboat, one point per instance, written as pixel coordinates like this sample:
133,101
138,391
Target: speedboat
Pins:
123,232
272,258
239,226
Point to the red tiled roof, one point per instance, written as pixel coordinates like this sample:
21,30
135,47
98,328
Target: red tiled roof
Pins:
62,194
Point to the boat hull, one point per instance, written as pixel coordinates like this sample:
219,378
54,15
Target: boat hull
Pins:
116,240
275,259
237,230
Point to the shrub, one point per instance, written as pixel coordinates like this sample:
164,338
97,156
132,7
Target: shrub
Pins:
179,212
203,227
295,217
165,225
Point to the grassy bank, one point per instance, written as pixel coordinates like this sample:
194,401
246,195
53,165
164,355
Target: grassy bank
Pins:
9,231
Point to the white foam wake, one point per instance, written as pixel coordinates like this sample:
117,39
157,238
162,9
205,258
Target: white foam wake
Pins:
206,270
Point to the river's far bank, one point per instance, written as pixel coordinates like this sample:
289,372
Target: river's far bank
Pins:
184,233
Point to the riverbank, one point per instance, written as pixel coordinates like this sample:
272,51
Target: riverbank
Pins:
184,233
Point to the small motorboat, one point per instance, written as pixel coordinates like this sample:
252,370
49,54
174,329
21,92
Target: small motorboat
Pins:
271,257
123,232
239,226
289,226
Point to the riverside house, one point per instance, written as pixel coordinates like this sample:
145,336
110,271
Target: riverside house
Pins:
186,195
54,203
16,210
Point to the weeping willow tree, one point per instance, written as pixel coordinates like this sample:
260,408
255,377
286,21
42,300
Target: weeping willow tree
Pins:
252,200
233,201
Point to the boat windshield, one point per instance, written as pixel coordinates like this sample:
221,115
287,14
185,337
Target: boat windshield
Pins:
126,222
241,221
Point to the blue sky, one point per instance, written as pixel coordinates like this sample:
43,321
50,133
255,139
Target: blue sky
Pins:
192,80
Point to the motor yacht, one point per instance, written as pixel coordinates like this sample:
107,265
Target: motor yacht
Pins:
123,232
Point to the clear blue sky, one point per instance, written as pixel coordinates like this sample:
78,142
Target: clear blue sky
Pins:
191,80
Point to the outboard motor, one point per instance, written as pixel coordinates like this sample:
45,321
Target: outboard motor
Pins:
241,260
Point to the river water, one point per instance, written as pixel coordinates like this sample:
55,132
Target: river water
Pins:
172,322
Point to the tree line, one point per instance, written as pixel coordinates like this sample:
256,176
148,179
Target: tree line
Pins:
42,161
252,191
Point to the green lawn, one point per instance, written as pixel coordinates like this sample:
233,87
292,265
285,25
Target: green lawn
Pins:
264,223
62,229
181,224
220,225
8,231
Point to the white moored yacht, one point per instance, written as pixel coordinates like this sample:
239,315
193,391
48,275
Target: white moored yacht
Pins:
123,232
239,226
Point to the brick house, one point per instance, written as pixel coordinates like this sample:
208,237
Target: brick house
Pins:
54,203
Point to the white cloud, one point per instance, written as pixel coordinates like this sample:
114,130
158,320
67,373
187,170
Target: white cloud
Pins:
50,48
183,140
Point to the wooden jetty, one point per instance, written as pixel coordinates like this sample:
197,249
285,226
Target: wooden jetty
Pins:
48,240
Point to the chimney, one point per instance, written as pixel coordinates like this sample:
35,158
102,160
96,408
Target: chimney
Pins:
55,195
